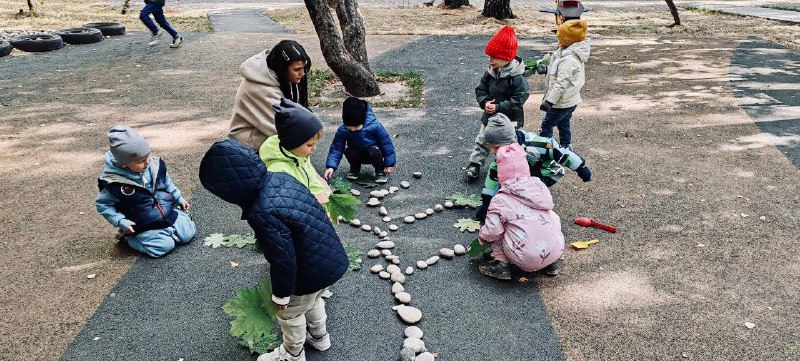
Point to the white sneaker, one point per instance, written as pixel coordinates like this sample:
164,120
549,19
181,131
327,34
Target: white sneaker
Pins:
176,42
280,354
323,343
156,39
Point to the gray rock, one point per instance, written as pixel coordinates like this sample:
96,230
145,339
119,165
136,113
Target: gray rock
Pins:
340,219
393,189
407,354
396,307
382,211
387,219
448,204
422,265
398,287
414,343
355,192
398,277
373,253
376,194
386,252
366,228
373,202
420,215
355,222
413,331
385,245
393,227
405,184
459,249
403,297
385,275
446,253
392,257
425,356
385,192
409,270
376,268
376,230
409,219
429,211
392,269
383,234
432,261
438,208
417,175
396,261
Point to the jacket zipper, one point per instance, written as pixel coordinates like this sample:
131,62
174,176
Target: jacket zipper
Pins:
155,197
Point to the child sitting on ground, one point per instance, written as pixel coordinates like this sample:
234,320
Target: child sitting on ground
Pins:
295,235
521,226
565,77
503,90
137,196
362,139
299,130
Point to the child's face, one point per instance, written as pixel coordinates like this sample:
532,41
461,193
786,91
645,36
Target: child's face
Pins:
354,128
307,148
494,147
138,166
496,63
296,72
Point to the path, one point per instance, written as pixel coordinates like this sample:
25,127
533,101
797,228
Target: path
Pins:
244,21
757,11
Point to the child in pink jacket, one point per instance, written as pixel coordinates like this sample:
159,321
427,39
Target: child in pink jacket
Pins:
520,224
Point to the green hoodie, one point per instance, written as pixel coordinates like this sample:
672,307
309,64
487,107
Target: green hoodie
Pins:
279,159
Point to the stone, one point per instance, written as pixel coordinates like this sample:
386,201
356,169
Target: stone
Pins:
409,219
385,275
459,249
432,261
397,287
366,228
340,219
405,184
355,192
417,175
422,265
414,344
396,261
429,211
407,354
393,189
385,245
373,202
382,211
409,270
376,230
398,277
446,253
413,331
376,268
425,356
387,219
392,257
448,204
403,297
355,222
438,208
420,215
396,307
384,192
392,269
374,253
383,234
409,314
376,194
393,227
386,252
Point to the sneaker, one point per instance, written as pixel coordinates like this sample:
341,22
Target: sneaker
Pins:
280,354
352,175
176,42
472,171
124,10
156,39
381,178
496,269
320,343
487,255
553,269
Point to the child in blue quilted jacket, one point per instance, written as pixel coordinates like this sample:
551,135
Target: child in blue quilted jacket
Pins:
137,196
361,139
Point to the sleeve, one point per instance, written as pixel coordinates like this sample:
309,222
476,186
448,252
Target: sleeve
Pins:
318,185
494,228
173,190
564,156
336,150
386,145
492,184
106,207
518,97
561,80
482,91
275,241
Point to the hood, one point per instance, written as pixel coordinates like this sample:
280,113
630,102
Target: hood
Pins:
370,117
232,171
512,162
115,173
529,191
581,49
256,70
271,151
514,68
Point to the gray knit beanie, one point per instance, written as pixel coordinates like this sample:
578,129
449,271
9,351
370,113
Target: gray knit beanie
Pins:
499,130
126,145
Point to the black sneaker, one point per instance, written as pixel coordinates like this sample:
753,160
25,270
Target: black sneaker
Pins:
380,178
487,255
553,269
352,175
472,171
496,269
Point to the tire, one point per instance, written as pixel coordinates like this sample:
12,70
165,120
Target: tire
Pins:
108,29
81,35
37,43
5,48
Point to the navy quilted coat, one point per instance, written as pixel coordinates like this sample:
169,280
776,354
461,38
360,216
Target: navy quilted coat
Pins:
295,234
372,134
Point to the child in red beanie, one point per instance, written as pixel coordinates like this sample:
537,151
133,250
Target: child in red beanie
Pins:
503,89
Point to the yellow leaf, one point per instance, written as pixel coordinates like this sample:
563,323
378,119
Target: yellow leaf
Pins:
234,264
523,279
584,244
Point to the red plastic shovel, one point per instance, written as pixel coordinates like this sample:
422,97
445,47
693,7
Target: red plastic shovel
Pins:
586,222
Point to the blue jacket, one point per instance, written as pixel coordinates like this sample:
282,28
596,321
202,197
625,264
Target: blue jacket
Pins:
147,199
293,231
372,134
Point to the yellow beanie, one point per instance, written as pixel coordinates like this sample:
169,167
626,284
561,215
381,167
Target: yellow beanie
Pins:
571,32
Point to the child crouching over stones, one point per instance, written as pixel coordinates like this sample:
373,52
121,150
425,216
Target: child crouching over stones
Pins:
520,225
362,139
295,235
137,196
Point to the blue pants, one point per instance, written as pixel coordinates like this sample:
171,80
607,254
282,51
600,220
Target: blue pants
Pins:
158,14
158,242
558,117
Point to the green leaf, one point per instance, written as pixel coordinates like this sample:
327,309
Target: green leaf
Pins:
341,204
467,224
476,249
340,185
239,241
466,200
215,240
254,322
353,255
366,182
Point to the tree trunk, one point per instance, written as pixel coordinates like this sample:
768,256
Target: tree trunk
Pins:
30,7
455,4
674,10
498,9
352,26
356,78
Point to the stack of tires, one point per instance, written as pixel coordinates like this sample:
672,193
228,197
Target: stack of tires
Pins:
88,34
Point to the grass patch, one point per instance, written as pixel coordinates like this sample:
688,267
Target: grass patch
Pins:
319,79
783,7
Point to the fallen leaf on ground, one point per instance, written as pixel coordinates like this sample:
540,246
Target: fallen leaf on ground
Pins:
467,224
215,240
96,338
233,264
584,244
327,294
523,279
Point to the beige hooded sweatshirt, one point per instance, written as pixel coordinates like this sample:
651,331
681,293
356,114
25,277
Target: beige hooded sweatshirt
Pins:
253,118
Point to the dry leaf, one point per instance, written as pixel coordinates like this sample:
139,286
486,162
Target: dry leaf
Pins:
584,244
523,279
233,264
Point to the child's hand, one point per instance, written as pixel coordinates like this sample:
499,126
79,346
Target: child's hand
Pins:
322,198
389,170
490,107
129,230
279,307
185,205
328,173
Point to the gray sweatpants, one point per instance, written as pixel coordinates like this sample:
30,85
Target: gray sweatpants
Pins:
481,150
303,311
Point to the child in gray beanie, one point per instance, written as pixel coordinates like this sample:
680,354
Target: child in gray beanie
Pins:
137,196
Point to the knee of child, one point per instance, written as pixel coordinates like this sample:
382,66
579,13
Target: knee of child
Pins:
161,247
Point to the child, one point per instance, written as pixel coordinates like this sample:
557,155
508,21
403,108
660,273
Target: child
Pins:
137,196
503,89
546,159
565,78
521,225
156,7
299,130
295,235
362,139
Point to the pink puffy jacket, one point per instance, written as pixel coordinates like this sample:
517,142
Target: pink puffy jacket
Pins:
521,215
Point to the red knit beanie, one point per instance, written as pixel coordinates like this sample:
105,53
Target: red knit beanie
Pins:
503,45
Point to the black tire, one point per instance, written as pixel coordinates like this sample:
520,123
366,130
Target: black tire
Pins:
81,35
37,43
108,29
5,48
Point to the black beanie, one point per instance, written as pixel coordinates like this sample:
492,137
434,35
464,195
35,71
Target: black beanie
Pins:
295,124
354,111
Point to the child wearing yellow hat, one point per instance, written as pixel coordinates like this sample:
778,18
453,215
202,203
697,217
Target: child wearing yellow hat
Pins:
565,78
